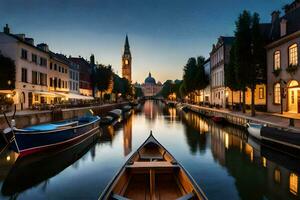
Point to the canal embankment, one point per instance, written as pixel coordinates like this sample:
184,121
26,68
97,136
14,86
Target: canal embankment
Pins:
241,119
32,117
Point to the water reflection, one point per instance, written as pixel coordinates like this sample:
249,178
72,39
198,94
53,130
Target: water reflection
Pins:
222,159
127,135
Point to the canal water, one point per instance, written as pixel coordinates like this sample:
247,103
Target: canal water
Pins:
222,159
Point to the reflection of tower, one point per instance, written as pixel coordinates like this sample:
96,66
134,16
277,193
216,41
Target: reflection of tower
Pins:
126,61
127,136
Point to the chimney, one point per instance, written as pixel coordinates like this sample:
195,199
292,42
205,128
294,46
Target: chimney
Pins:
6,29
92,59
275,15
283,23
21,36
30,40
43,46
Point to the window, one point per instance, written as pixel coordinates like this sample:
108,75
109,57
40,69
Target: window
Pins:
62,70
293,55
34,58
34,77
51,84
51,65
277,175
55,82
43,79
293,183
24,54
277,97
276,60
261,94
36,97
66,71
59,83
24,75
66,84
63,84
55,67
293,97
43,62
59,68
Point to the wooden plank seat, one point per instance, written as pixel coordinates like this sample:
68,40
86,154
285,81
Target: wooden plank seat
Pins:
157,164
118,197
186,197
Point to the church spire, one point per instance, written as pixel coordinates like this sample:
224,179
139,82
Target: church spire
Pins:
126,46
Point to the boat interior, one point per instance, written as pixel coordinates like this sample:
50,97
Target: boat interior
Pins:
152,173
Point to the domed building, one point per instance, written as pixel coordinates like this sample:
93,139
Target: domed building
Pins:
150,87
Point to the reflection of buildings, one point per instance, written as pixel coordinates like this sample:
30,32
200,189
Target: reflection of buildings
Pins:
127,135
150,110
258,174
150,87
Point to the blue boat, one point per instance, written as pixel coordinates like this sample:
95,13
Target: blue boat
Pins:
48,136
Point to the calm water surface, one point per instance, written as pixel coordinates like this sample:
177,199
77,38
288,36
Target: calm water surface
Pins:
223,160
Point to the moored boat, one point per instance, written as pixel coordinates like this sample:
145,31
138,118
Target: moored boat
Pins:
218,119
272,135
254,130
48,136
152,173
106,120
116,113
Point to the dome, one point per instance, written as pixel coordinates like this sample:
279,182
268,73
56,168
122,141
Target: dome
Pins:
150,80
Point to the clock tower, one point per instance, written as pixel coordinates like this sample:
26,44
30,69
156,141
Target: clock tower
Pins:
126,61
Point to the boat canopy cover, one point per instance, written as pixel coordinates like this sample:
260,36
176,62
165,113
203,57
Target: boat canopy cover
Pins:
42,127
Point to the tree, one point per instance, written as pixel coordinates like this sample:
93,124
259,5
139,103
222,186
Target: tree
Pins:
138,92
230,78
103,78
258,64
243,52
190,75
202,79
7,73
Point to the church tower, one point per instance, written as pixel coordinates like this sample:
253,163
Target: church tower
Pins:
126,61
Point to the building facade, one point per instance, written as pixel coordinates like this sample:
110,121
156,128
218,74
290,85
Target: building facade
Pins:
85,73
219,57
283,90
73,77
150,88
126,61
31,63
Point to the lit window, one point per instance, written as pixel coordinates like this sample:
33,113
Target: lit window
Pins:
277,98
277,175
293,55
276,60
264,161
261,94
293,183
293,97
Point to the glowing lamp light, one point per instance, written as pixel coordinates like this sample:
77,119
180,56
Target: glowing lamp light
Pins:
8,95
8,158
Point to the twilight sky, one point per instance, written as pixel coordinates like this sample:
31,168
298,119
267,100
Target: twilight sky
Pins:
163,34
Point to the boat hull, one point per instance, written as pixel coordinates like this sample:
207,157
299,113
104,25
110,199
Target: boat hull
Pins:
254,130
27,143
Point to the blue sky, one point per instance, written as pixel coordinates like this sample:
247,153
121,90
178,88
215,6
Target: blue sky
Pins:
163,34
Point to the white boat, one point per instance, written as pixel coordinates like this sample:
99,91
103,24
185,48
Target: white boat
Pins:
254,130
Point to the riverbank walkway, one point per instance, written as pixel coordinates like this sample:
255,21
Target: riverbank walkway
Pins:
273,119
32,112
